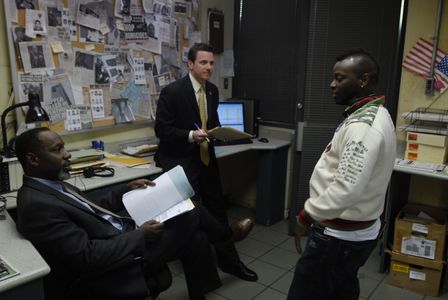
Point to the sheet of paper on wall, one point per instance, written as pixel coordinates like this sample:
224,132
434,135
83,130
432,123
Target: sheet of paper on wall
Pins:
167,199
88,14
163,29
144,107
30,83
162,7
104,29
227,63
57,47
195,37
97,103
73,30
89,35
139,71
36,56
185,54
152,45
72,120
86,116
135,28
58,97
122,110
148,6
36,22
170,58
162,81
139,99
83,72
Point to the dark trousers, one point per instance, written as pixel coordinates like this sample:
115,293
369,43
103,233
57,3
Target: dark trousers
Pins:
328,268
187,237
206,182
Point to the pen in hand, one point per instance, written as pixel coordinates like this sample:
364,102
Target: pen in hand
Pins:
199,128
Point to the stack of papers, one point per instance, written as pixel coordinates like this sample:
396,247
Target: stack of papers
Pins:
86,155
427,166
142,149
168,198
129,161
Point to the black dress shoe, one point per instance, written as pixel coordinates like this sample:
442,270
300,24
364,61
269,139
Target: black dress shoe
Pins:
240,270
241,229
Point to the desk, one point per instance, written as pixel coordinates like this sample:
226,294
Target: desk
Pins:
22,255
397,197
19,252
271,176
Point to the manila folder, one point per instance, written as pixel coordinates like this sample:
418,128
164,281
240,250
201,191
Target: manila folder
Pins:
167,199
227,134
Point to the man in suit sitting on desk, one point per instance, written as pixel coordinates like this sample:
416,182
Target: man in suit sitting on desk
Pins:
186,109
93,252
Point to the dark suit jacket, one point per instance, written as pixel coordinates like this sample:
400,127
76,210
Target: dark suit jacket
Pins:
86,254
177,112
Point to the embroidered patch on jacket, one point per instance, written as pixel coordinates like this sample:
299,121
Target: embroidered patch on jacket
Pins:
352,162
366,115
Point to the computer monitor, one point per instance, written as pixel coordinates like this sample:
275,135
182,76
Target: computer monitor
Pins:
251,115
231,114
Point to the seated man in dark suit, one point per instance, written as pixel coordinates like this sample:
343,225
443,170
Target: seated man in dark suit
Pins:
94,253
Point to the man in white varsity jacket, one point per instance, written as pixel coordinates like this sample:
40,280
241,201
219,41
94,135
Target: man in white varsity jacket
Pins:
347,187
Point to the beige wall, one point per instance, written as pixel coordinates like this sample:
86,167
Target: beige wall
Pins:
113,135
421,23
226,6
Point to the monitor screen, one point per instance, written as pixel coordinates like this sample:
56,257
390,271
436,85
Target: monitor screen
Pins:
231,114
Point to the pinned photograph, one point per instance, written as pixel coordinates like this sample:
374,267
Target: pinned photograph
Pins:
89,14
36,56
84,60
36,23
26,4
54,16
162,8
101,74
88,35
182,8
19,36
162,81
122,111
30,83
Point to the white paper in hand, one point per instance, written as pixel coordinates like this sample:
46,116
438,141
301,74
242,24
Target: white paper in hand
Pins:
168,198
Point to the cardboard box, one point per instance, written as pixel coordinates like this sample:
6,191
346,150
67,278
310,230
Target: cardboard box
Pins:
427,139
426,147
417,236
416,274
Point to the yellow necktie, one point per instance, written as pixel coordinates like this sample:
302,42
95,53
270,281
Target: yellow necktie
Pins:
205,158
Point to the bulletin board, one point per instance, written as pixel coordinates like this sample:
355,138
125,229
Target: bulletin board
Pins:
97,63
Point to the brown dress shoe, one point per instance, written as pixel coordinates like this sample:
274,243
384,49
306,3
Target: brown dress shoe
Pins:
241,229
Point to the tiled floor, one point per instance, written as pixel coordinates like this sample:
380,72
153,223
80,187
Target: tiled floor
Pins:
271,253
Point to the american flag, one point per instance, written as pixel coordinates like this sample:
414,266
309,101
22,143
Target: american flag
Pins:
418,61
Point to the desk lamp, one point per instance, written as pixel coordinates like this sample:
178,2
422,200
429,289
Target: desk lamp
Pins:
35,114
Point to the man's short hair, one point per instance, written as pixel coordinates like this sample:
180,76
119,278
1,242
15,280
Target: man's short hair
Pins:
367,63
28,142
198,47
